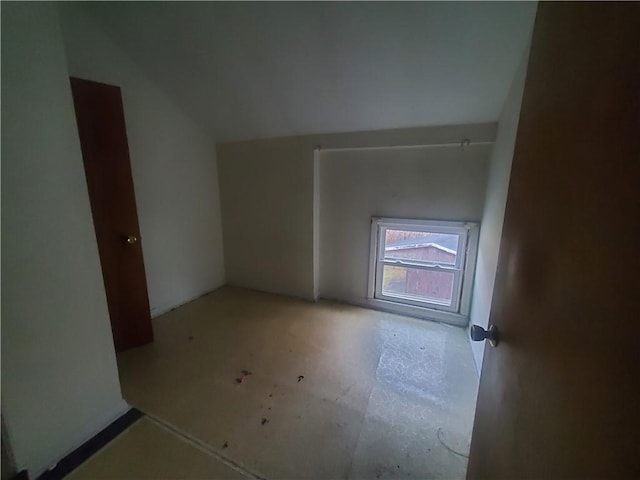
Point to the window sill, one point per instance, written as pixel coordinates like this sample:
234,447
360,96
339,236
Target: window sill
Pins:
411,311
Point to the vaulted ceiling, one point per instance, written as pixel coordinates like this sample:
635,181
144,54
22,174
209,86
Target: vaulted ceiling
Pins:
252,70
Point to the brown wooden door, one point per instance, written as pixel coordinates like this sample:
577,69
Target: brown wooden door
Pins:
105,151
560,395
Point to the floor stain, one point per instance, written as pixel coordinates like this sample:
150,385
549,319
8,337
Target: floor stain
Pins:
245,374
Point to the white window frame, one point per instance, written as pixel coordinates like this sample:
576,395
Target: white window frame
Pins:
463,270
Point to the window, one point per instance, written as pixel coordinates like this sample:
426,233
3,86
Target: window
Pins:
422,263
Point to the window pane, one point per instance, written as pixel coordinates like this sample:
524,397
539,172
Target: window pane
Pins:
417,284
422,246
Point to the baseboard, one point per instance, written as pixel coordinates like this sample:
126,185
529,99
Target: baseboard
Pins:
158,311
74,459
293,296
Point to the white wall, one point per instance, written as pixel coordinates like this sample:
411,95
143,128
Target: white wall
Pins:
174,170
59,375
266,190
494,208
267,196
432,183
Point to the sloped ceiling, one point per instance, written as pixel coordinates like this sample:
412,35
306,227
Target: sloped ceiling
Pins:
248,70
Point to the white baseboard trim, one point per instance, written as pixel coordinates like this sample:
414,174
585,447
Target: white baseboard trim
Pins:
158,311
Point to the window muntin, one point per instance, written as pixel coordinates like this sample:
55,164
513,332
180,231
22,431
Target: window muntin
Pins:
420,263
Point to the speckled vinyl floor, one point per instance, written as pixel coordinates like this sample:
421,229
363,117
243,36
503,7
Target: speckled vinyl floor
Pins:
334,391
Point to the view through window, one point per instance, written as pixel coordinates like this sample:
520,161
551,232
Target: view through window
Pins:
420,263
420,248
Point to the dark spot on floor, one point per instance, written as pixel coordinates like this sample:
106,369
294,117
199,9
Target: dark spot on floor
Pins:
264,421
270,395
245,374
300,377
225,445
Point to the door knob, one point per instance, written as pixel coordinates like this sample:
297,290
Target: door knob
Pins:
131,239
478,334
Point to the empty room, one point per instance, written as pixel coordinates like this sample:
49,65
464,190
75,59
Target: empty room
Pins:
320,240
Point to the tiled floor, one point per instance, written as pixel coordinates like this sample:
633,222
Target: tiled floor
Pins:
335,391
